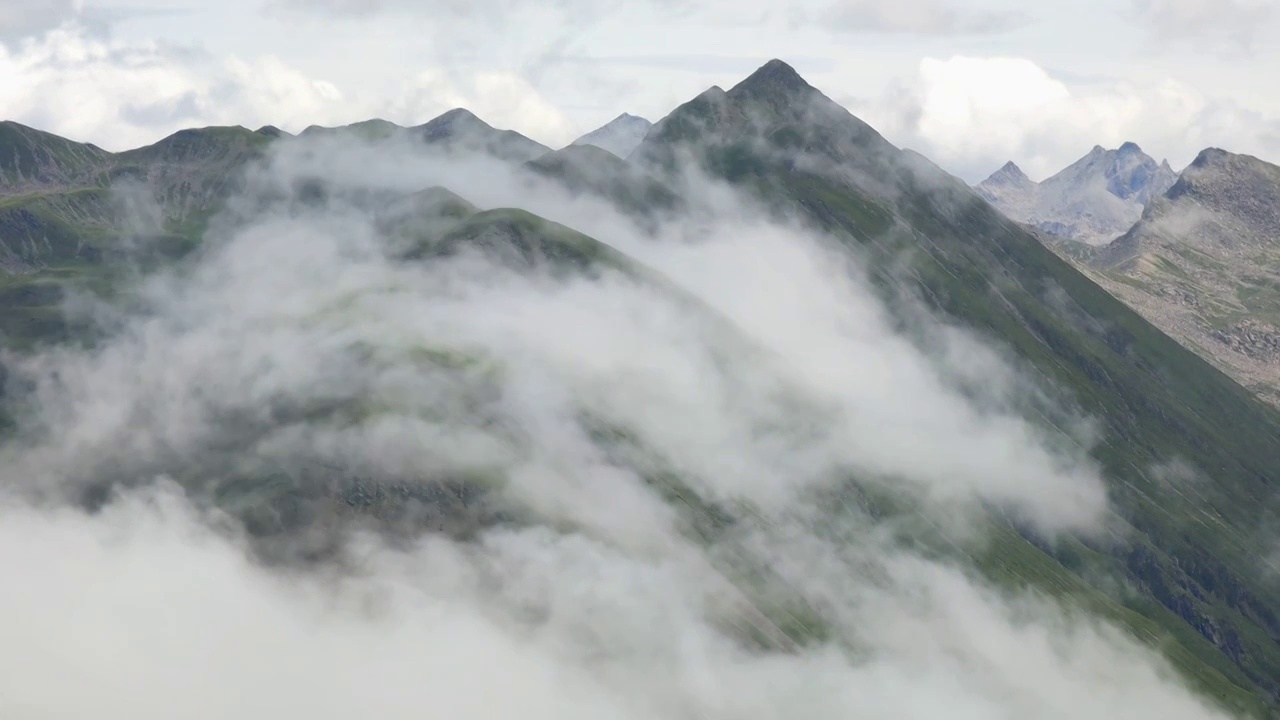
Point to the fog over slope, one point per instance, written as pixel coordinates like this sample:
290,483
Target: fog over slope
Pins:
753,362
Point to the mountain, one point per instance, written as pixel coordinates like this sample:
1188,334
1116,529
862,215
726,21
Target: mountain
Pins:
1094,200
371,130
31,159
455,131
619,136
592,170
1179,571
461,131
1009,188
65,204
1203,264
778,137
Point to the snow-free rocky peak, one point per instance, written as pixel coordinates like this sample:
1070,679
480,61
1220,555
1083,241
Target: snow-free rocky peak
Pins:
1010,176
1094,200
1009,189
619,136
1222,204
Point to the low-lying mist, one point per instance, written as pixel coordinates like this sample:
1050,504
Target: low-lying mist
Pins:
303,475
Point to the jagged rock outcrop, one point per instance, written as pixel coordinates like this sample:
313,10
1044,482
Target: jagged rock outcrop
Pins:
1094,200
1203,264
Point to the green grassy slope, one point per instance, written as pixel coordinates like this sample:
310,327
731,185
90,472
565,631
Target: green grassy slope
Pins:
64,223
1193,554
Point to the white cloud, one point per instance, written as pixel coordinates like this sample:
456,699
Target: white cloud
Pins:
523,624
923,17
492,11
1233,23
502,99
121,94
972,114
24,18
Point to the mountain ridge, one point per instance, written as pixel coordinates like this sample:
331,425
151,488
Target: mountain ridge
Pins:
1093,200
619,136
850,181
928,238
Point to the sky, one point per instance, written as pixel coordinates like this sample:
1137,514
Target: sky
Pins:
970,84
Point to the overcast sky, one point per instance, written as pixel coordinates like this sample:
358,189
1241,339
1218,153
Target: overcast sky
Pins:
971,83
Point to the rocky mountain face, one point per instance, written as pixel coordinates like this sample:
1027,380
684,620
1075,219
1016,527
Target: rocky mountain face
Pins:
619,136
32,160
1203,264
1177,569
1094,200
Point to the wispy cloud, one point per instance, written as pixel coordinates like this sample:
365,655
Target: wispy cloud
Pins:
1231,26
24,18
918,17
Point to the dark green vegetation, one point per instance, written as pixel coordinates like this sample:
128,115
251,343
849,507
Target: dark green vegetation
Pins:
1185,575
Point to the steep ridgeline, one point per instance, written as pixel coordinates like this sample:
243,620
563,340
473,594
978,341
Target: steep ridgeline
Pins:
1193,561
620,136
1093,201
1203,264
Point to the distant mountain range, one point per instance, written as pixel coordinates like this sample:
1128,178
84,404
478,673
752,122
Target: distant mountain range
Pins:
1094,200
1181,570
1196,252
464,130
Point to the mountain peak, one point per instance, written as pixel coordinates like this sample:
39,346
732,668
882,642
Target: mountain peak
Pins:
627,119
773,104
455,115
1210,156
452,122
1093,200
1011,168
780,69
712,94
774,75
619,136
1009,175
